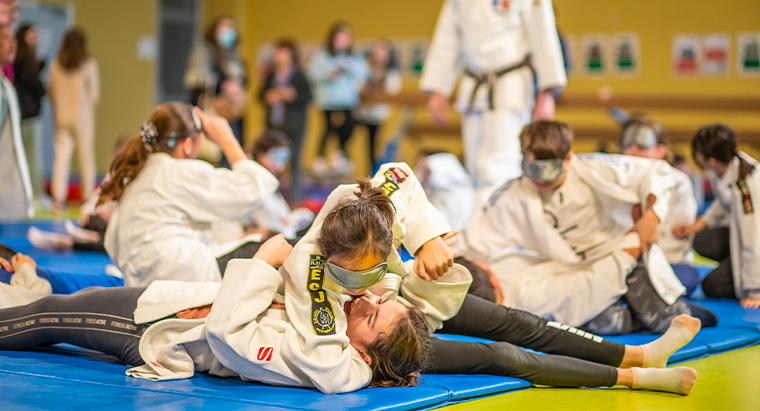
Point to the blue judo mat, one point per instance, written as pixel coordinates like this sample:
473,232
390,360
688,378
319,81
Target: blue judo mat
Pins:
63,377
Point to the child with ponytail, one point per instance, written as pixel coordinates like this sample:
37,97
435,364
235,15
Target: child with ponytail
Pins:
168,200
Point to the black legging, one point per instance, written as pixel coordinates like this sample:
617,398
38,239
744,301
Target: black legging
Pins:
96,318
372,134
344,130
714,243
579,359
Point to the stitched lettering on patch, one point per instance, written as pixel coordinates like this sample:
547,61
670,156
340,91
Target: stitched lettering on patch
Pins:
746,198
322,314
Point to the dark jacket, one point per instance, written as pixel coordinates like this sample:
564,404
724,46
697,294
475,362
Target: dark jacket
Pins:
295,111
29,87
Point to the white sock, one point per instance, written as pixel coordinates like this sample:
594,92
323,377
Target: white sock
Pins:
681,331
678,380
46,240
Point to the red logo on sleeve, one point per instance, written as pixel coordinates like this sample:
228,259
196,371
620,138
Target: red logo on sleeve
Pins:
265,353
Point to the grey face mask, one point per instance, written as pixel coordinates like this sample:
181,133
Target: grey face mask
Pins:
543,170
356,279
639,135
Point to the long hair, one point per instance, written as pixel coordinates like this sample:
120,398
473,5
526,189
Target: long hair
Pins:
25,51
169,118
220,57
359,226
718,141
336,28
398,358
73,50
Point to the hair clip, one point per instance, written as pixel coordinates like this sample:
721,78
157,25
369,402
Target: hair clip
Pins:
148,132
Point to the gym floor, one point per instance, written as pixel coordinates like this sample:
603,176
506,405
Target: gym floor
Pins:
728,381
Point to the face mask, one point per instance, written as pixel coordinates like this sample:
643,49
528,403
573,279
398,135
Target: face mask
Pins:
279,156
227,37
356,279
640,135
543,170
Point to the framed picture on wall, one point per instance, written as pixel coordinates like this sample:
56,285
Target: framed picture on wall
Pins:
594,55
716,48
687,54
748,54
626,54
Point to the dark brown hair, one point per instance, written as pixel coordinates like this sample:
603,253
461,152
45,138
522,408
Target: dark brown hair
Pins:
336,28
24,50
268,139
718,141
397,359
546,139
171,119
359,226
73,50
290,44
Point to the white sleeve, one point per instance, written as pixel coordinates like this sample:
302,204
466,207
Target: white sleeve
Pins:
392,83
422,221
439,300
237,335
714,214
440,70
545,49
215,194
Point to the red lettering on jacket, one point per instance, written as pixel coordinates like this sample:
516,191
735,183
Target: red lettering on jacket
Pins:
265,353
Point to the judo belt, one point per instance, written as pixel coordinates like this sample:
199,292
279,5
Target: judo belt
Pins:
489,79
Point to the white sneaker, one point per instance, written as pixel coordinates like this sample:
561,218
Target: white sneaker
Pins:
45,240
319,167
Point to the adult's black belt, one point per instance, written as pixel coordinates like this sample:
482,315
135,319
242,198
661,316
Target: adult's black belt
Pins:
490,80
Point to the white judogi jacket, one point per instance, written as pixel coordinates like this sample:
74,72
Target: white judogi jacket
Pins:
682,209
15,184
736,201
449,188
488,35
275,215
25,287
513,222
161,228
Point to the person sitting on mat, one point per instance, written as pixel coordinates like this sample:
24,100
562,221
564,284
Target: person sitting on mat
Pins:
728,232
646,137
576,234
168,200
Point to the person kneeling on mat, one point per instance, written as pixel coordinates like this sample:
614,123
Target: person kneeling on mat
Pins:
574,238
735,183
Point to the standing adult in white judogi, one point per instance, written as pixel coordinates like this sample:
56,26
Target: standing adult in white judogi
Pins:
15,185
498,44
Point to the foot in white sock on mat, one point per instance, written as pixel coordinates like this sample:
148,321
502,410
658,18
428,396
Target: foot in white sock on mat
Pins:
45,240
681,331
677,380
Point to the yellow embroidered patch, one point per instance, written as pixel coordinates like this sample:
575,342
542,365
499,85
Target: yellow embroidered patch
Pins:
322,314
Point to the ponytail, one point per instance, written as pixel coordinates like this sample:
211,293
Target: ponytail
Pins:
125,166
359,226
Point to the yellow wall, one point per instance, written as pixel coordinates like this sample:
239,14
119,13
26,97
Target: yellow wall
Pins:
126,83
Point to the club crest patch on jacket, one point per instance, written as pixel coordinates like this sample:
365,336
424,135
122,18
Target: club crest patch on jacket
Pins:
393,177
322,314
746,198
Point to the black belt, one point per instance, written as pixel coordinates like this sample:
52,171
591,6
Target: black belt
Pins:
490,79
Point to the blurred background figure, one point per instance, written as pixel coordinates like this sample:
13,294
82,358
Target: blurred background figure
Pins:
337,76
74,89
30,91
217,76
15,188
646,137
385,78
447,186
286,95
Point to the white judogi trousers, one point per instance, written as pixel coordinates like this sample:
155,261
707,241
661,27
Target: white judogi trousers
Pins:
492,153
